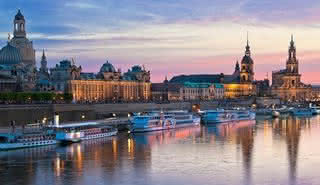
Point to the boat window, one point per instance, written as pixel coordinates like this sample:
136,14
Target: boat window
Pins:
3,139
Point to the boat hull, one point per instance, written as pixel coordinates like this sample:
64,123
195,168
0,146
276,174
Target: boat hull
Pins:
13,146
217,120
194,122
82,137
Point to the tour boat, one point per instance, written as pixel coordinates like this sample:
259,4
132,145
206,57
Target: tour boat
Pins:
221,116
302,112
163,120
76,132
9,141
315,109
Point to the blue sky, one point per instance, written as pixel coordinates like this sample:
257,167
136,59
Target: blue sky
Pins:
171,36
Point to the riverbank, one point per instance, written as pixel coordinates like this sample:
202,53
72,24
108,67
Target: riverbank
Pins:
32,113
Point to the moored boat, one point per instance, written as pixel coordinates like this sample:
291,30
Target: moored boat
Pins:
221,116
155,121
77,132
9,141
302,112
315,109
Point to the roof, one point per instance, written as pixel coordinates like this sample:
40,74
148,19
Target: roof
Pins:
159,87
206,78
72,125
10,55
88,76
197,85
247,60
19,16
107,67
199,78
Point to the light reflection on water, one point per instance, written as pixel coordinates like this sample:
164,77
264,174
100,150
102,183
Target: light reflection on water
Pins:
268,151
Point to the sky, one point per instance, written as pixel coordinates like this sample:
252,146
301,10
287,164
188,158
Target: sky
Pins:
171,37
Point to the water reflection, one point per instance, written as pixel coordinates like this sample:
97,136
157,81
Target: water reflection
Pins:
247,152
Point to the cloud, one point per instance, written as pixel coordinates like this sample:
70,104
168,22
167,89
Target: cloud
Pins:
81,5
185,36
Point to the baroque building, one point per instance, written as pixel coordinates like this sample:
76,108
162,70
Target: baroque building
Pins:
286,83
64,72
21,41
110,85
17,60
239,83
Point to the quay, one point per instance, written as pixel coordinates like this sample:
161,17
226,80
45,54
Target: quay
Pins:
120,123
32,113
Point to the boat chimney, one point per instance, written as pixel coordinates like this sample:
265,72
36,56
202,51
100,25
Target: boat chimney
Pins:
56,119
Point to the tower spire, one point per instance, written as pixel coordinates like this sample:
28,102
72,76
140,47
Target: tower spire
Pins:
247,53
247,38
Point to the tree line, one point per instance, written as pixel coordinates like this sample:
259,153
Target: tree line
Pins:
34,97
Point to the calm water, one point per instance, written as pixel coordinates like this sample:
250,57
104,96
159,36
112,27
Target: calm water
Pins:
270,151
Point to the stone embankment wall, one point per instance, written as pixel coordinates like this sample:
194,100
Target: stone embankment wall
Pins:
24,114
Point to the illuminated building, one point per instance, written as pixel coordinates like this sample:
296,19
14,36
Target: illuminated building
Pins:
286,83
110,85
201,91
240,83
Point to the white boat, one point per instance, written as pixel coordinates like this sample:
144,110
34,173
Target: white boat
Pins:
302,112
9,141
76,132
163,120
275,113
221,116
315,109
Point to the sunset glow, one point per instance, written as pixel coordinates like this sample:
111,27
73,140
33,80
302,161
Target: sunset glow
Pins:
171,38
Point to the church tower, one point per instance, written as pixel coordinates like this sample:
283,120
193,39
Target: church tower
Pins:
21,41
292,62
246,73
44,62
236,70
19,25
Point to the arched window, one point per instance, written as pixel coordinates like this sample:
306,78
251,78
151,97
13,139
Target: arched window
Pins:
244,78
16,27
21,27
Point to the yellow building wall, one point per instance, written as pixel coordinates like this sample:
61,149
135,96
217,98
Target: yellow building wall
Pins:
101,90
238,90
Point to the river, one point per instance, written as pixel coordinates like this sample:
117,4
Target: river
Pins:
269,151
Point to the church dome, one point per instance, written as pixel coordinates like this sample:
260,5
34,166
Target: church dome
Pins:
247,60
10,55
136,68
107,67
19,16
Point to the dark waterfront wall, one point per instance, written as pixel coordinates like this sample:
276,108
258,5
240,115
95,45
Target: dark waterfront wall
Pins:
24,114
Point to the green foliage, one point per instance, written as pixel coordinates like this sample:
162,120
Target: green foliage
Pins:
29,97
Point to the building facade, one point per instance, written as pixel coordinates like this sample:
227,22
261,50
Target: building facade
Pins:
286,83
109,85
17,60
201,91
239,83
108,91
62,73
